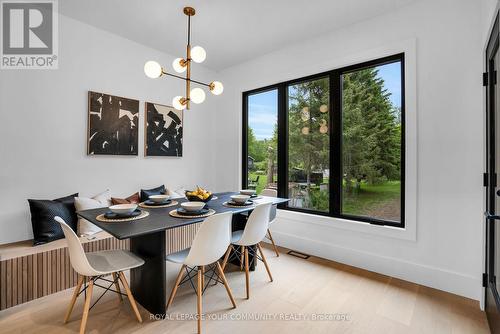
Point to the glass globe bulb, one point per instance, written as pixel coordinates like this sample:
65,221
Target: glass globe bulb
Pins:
197,95
176,102
216,88
198,54
152,69
176,64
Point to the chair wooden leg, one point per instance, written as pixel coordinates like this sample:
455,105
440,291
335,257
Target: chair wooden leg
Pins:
86,307
117,286
226,257
272,241
247,273
203,277
265,262
73,299
242,257
198,295
130,296
176,286
226,285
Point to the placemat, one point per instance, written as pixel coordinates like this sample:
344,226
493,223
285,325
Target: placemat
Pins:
143,205
174,213
101,218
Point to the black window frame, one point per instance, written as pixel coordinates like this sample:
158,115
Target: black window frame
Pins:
335,120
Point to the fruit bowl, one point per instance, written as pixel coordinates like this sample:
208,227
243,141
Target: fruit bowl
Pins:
199,195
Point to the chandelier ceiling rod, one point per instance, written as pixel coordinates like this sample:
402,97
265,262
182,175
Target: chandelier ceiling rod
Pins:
189,11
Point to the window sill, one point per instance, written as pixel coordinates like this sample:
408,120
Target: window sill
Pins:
407,233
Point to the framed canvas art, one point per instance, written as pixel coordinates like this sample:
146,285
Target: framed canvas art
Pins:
112,125
163,130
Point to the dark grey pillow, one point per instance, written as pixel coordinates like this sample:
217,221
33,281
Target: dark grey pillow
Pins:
145,193
45,228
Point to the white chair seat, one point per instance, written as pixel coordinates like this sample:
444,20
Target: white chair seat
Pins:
178,257
93,266
210,243
236,236
111,261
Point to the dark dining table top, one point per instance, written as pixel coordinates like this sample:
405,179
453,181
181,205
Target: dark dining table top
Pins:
160,220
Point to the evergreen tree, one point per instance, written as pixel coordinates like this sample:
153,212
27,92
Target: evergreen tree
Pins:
371,130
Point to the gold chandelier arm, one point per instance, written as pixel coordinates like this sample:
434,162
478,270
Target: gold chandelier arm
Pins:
191,80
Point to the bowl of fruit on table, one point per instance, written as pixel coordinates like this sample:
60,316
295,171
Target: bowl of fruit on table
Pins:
199,194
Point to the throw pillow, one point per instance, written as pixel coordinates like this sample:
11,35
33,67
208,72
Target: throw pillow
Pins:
145,193
102,200
45,228
132,199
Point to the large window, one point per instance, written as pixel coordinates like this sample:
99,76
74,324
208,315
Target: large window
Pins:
262,140
308,144
333,143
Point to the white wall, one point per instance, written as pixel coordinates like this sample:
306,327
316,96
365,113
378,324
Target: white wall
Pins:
488,13
446,253
43,119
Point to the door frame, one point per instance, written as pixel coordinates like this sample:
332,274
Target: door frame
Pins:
490,290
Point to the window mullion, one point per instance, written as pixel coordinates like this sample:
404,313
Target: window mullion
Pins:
282,142
335,144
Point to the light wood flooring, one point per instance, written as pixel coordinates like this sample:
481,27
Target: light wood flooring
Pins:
372,303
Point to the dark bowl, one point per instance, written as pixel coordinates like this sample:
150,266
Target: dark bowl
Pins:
197,199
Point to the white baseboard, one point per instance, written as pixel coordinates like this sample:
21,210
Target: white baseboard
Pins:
449,281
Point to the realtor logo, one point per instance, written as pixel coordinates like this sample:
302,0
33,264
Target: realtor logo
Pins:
29,34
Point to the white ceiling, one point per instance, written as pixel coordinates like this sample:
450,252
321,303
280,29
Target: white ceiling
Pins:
231,31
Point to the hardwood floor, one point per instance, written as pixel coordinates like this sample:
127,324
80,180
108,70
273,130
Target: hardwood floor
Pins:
372,302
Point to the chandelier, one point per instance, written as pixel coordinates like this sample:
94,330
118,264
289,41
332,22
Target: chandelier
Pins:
197,54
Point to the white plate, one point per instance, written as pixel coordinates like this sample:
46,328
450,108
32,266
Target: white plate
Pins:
248,192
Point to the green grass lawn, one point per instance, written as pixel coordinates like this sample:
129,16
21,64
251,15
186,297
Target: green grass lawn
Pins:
262,181
369,199
372,197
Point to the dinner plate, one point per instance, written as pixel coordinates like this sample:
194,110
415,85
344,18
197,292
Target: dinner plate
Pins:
152,203
112,215
247,203
182,211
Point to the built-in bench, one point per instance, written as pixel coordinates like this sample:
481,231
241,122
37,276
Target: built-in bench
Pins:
29,272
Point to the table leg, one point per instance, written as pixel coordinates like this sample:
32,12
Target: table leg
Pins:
148,282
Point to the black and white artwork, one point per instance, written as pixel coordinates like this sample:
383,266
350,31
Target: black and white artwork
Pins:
113,125
163,136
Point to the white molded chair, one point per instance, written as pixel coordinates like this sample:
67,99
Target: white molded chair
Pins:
255,230
211,241
272,217
94,266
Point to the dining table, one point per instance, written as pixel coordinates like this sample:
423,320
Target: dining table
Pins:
148,241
